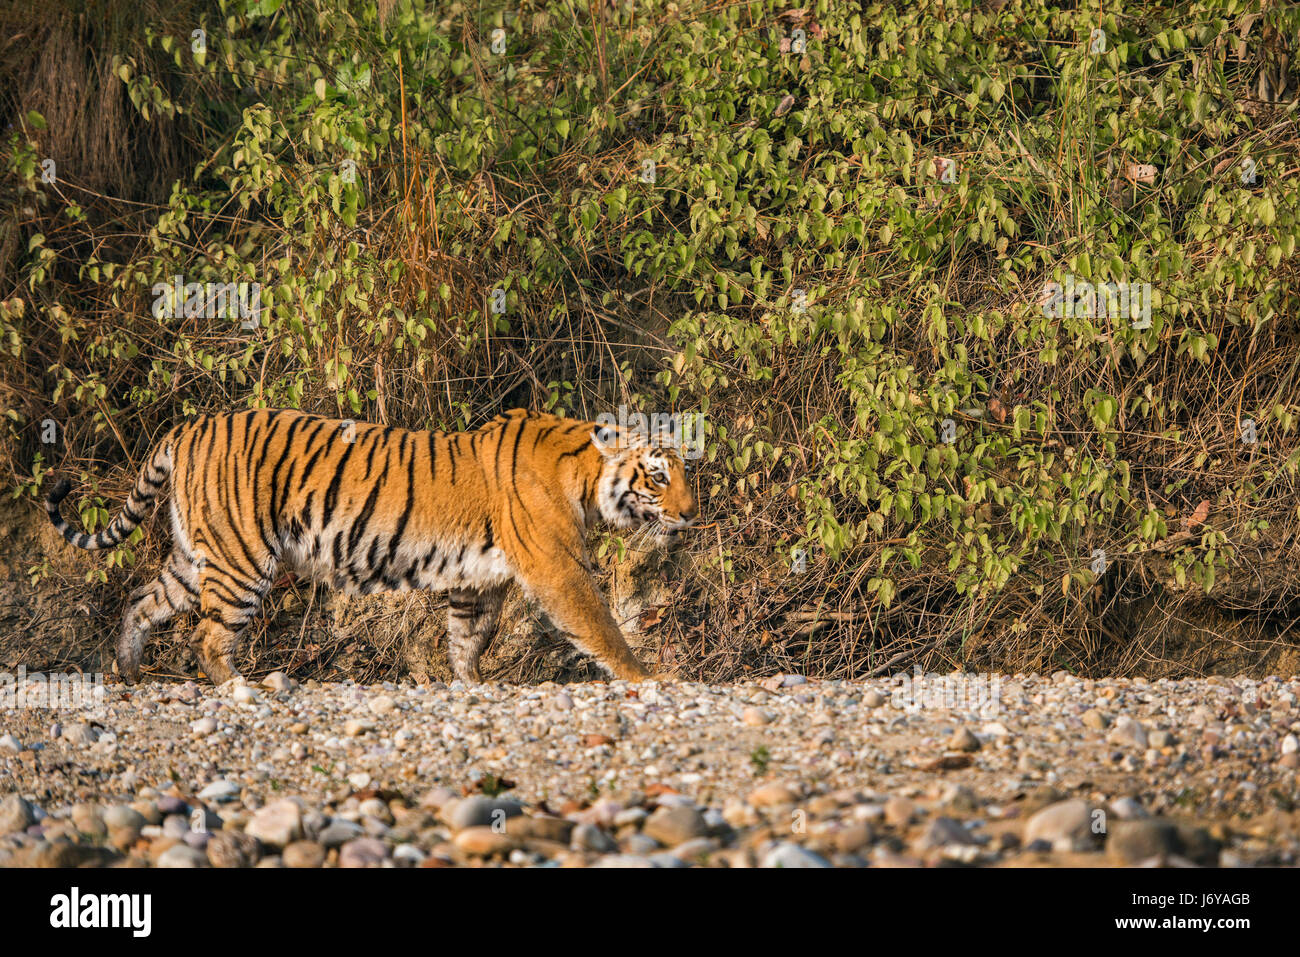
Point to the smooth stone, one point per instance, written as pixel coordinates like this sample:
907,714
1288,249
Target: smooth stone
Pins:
589,837
339,832
899,811
1064,826
772,795
220,791
788,855
480,812
276,825
182,855
623,860
16,814
304,854
942,832
671,826
481,841
1128,731
233,849
363,852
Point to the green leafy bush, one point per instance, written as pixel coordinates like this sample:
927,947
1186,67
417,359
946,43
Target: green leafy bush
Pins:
830,228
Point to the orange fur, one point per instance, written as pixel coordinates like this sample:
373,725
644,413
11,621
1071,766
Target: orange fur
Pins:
367,508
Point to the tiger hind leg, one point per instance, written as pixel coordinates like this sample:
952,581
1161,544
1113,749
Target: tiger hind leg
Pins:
472,619
171,593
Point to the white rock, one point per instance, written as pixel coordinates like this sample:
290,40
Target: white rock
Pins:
277,824
787,855
204,726
220,790
1065,825
279,681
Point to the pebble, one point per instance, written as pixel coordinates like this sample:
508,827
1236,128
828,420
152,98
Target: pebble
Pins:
339,832
1128,731
899,811
363,852
1063,826
786,854
279,681
942,832
219,791
16,814
589,837
182,855
80,734
1128,809
480,812
89,819
276,825
658,775
304,854
484,842
772,795
1092,718
1132,842
233,849
671,826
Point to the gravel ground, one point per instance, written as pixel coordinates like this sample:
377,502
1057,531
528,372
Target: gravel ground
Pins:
786,772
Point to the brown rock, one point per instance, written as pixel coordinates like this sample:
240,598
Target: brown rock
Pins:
305,854
233,849
482,841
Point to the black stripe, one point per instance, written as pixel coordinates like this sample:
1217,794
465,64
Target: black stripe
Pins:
541,434
407,506
514,453
332,493
362,522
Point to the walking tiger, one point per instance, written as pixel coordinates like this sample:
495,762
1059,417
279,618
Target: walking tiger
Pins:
367,508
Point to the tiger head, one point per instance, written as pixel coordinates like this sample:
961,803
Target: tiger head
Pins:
643,483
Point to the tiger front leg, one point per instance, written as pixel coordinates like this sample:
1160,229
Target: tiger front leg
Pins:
577,608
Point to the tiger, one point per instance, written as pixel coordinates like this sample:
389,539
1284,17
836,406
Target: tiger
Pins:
368,508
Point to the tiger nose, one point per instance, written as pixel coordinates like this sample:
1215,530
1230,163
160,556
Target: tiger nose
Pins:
691,510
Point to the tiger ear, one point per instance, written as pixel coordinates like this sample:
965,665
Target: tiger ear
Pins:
605,440
666,438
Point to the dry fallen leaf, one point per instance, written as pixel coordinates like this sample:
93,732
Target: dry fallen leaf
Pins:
651,617
1197,517
1140,173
